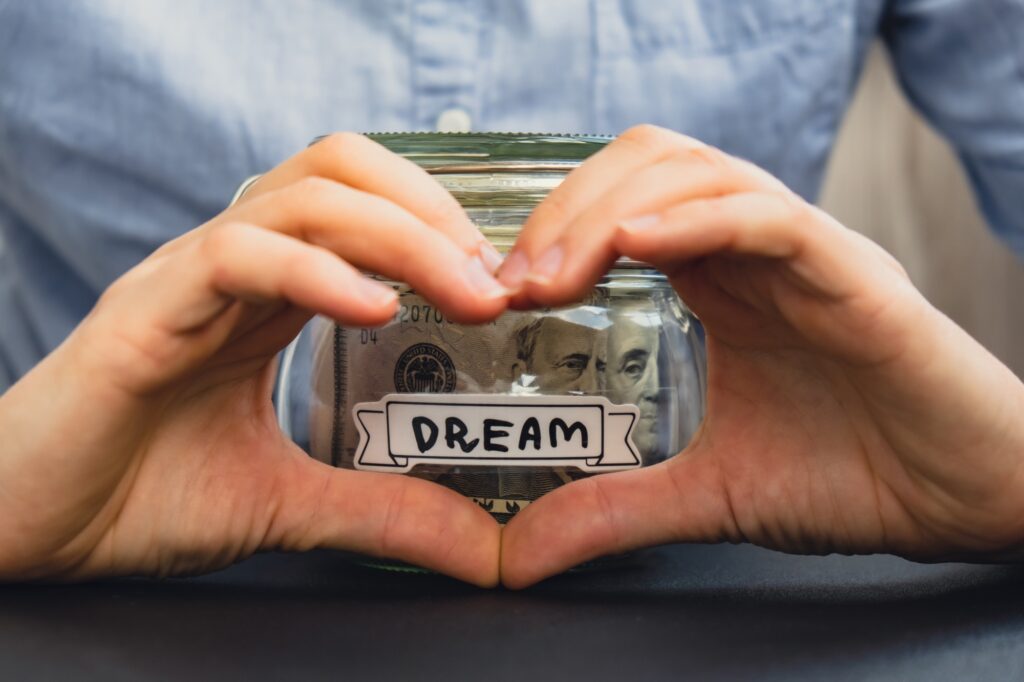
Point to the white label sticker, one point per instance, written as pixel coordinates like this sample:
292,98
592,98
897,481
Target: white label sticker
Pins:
404,430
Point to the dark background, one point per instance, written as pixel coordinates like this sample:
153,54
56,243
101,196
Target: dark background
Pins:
682,612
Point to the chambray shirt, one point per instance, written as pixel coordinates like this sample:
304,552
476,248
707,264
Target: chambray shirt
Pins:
125,123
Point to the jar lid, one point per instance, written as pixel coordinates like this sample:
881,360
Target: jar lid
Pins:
483,152
449,153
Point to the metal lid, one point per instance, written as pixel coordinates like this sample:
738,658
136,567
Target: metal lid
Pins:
490,152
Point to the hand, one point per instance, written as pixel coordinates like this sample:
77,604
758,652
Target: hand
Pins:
147,443
844,413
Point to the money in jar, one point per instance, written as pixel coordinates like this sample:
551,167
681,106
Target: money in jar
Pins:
506,411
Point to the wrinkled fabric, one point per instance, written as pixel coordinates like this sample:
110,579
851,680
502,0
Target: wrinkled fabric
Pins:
124,124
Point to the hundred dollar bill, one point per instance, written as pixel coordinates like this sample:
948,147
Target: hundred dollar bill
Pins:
590,349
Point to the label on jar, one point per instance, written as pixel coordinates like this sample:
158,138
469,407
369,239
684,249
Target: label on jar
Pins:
403,430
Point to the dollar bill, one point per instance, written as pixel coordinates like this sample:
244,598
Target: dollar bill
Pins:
593,348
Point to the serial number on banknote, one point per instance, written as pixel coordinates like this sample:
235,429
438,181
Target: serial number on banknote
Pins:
415,312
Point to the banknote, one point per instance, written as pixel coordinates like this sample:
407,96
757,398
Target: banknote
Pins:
595,348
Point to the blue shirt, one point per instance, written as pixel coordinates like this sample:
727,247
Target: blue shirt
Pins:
124,124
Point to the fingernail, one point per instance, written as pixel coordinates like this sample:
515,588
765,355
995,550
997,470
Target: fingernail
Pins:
514,270
490,256
547,266
374,292
480,279
641,223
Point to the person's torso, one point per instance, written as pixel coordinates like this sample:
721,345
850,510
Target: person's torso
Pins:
124,124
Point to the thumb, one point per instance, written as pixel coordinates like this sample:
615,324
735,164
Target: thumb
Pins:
384,515
680,500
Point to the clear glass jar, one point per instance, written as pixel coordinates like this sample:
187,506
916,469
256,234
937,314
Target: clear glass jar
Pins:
507,411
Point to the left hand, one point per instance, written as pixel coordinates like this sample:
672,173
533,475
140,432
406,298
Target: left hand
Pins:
844,413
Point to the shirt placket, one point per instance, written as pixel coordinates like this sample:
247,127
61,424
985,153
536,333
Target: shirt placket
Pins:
446,35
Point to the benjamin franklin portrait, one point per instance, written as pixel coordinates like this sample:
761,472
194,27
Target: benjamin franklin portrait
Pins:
578,351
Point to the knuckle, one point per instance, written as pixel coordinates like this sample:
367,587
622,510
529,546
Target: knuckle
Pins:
307,196
113,293
655,141
709,156
444,210
218,242
333,151
313,188
758,176
893,263
647,135
791,209
889,261
339,145
216,248
686,168
790,221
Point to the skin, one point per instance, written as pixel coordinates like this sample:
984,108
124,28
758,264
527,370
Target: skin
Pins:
845,413
633,372
147,442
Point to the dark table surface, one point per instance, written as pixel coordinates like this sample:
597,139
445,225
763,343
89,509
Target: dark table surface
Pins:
682,612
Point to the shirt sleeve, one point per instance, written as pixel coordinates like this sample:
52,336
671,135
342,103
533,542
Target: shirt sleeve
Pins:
961,62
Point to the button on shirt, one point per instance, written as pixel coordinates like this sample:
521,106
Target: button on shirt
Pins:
124,124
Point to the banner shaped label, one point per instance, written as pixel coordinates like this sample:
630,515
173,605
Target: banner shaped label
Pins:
404,430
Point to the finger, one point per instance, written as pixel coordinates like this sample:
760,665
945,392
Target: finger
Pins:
241,261
584,251
385,515
172,314
766,224
359,162
680,500
375,234
828,283
631,151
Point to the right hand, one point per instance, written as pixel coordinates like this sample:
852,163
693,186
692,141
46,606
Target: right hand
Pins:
147,442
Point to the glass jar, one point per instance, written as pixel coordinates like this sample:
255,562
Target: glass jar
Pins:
507,411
